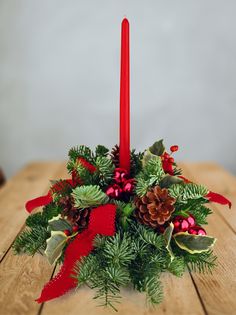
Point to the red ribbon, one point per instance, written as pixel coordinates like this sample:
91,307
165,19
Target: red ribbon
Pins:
102,221
46,199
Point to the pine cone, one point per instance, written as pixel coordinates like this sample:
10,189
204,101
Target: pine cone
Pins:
135,160
74,215
115,155
155,208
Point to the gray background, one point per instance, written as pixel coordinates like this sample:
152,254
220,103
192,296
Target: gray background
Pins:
59,77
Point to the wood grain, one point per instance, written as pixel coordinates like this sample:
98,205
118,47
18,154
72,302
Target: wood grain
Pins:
31,182
23,277
218,291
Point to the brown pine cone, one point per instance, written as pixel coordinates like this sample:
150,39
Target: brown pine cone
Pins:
76,216
155,208
115,155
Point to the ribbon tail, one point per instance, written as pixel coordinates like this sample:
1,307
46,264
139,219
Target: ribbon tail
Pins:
102,221
38,202
214,197
64,281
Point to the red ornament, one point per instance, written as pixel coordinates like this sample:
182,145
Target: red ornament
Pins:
114,191
120,175
67,232
75,228
182,224
174,148
197,230
128,186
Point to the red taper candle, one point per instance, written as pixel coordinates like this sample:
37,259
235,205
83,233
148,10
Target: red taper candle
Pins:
124,98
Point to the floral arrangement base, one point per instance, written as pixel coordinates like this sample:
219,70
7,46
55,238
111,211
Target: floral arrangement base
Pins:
110,228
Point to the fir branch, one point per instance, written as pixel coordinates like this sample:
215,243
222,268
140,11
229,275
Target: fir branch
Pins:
51,210
154,291
30,241
149,236
203,262
105,169
151,174
81,151
36,219
136,162
177,266
118,250
101,151
89,196
185,192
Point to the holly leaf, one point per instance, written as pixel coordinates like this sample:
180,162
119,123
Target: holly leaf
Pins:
169,180
59,224
55,245
167,238
194,243
157,148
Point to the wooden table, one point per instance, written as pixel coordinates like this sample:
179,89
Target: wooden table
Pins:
22,277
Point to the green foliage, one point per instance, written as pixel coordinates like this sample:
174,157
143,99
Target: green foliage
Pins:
185,192
151,174
157,148
51,210
31,241
149,236
136,162
177,266
36,219
203,262
105,169
200,213
89,196
81,151
153,288
101,151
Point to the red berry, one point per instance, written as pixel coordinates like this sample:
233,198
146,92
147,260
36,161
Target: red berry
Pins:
67,232
171,160
191,221
197,230
181,224
114,191
120,175
174,148
75,228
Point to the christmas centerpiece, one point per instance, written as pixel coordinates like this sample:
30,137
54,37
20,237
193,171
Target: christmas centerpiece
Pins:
121,218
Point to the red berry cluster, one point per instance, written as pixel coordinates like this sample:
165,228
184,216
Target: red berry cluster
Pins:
122,185
168,160
182,224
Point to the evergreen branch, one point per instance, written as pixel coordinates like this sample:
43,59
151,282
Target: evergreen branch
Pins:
177,266
30,241
200,214
153,288
105,169
36,219
185,192
89,196
101,151
81,151
203,262
149,236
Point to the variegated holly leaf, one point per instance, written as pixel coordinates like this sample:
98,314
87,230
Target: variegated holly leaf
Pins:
194,243
55,245
167,238
157,148
59,224
169,180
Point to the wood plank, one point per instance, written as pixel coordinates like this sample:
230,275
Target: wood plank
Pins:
218,291
218,180
23,277
180,299
31,182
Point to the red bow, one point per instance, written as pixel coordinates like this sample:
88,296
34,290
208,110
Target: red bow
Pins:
102,221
